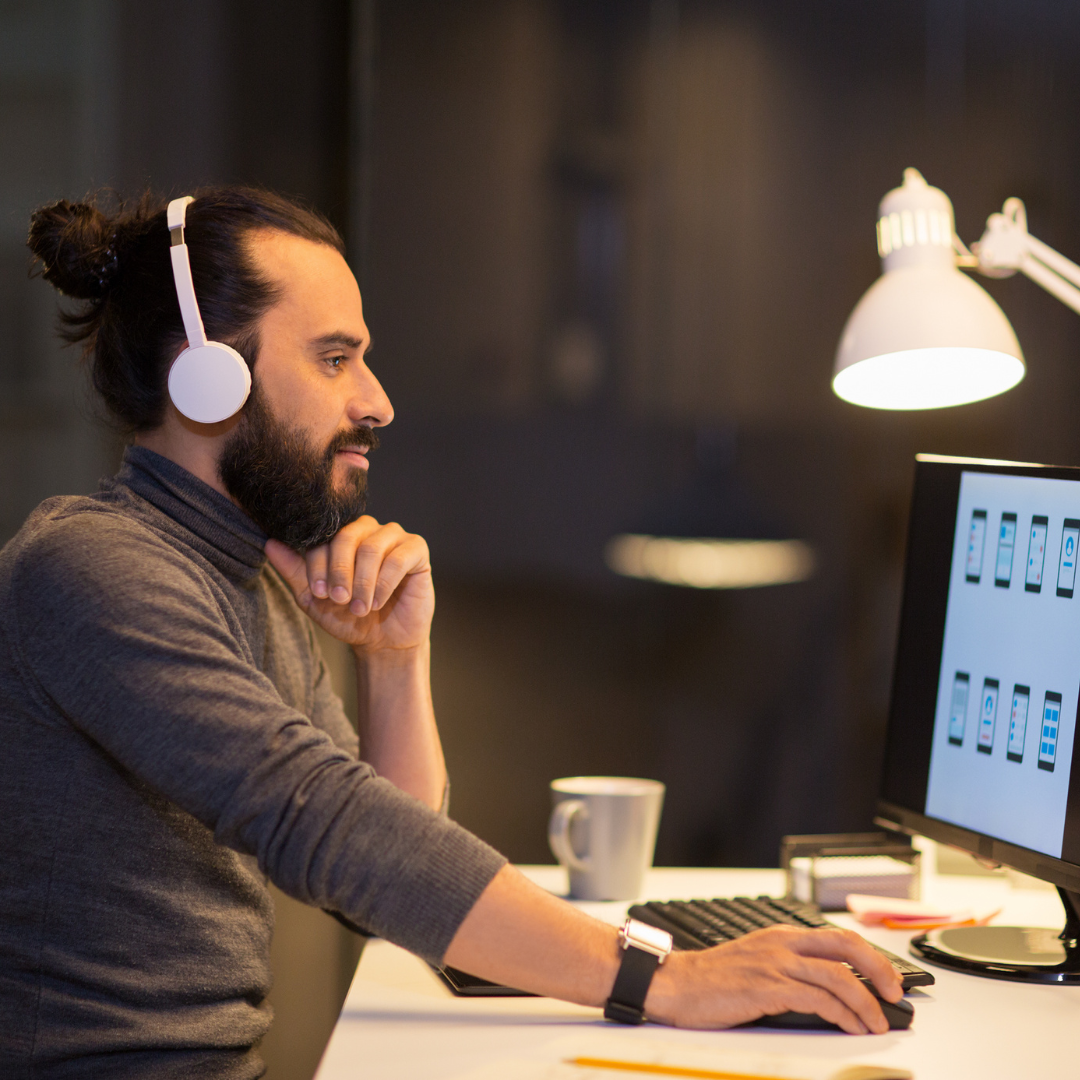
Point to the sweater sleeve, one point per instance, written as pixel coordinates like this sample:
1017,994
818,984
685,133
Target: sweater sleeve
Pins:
123,637
328,712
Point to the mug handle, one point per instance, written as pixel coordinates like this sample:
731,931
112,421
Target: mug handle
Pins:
559,833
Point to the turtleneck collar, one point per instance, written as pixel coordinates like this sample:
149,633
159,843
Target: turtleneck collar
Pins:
222,532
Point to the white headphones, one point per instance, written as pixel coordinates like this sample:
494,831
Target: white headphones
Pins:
208,381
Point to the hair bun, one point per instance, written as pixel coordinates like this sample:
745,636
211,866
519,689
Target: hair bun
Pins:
76,244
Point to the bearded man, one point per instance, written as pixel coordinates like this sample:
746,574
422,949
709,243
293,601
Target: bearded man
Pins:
171,739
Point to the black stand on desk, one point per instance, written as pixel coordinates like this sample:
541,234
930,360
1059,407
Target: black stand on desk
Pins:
1023,953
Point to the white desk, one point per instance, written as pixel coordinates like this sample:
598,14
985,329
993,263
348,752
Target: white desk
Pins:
400,1023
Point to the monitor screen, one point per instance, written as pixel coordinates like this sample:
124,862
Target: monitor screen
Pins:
981,736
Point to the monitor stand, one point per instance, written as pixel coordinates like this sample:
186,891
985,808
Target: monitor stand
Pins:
1028,954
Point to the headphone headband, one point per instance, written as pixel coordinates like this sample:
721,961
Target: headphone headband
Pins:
181,264
177,215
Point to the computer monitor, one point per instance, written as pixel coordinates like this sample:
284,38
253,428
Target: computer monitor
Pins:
981,748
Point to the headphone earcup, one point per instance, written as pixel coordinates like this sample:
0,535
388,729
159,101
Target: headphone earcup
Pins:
209,383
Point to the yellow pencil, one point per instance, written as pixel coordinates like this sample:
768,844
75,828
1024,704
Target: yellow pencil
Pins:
665,1070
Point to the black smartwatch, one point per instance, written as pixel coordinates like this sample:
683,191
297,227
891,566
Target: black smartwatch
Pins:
645,948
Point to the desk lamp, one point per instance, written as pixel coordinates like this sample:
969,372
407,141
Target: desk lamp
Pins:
925,336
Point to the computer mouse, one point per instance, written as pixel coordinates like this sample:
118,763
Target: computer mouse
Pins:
898,1013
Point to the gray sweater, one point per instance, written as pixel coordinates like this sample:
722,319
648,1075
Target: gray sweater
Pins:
169,740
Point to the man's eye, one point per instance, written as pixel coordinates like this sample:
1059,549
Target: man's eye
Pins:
335,361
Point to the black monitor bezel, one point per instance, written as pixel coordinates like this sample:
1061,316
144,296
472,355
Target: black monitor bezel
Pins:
929,560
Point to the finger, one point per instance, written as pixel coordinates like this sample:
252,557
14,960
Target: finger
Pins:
318,561
408,557
813,999
291,567
341,557
841,984
837,944
370,556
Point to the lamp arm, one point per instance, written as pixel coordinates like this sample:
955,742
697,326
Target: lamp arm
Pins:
1006,246
1068,294
1057,262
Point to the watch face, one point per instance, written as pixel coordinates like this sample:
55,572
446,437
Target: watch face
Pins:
649,938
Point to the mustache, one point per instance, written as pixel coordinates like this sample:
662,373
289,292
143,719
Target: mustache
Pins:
360,435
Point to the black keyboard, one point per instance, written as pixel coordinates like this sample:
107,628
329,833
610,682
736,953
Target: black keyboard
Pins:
697,924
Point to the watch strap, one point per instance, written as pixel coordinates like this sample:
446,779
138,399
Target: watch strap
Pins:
627,1002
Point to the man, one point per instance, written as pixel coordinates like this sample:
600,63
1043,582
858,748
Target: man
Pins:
171,739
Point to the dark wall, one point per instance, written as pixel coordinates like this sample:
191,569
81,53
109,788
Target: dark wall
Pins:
245,92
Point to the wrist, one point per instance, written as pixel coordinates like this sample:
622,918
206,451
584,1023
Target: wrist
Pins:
644,950
389,657
607,971
660,1002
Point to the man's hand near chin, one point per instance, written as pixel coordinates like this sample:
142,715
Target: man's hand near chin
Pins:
371,588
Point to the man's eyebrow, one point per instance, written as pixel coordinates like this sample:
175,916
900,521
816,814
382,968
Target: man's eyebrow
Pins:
340,338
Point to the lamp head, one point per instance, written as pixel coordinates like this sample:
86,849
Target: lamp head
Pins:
923,336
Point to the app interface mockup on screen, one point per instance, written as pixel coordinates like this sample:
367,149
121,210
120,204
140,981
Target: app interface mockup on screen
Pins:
1010,664
958,712
1018,723
976,543
1036,554
1070,535
987,716
1006,544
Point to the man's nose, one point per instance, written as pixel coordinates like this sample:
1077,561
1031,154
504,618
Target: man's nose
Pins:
369,404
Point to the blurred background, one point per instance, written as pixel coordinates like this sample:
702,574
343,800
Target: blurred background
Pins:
607,248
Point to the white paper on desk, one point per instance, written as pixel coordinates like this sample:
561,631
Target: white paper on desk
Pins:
559,1055
871,910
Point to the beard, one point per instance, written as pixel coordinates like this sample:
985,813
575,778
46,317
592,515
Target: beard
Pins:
286,485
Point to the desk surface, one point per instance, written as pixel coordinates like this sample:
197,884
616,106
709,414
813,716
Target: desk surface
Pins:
400,1023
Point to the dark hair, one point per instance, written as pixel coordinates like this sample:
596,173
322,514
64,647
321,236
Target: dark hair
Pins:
118,264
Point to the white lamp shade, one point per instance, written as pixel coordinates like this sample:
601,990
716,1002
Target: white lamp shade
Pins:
926,337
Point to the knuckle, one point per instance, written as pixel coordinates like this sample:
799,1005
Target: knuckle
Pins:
782,930
395,560
363,522
390,575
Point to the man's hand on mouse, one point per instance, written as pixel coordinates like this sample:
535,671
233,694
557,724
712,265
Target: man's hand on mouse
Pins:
369,587
775,970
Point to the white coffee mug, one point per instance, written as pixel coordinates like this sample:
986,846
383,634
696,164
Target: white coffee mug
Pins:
603,830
